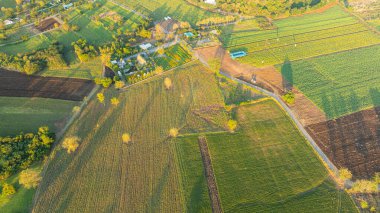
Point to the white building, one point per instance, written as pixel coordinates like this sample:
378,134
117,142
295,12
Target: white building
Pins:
213,2
145,46
8,22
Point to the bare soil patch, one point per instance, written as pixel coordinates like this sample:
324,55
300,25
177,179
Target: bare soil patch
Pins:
352,141
266,77
209,172
15,84
48,24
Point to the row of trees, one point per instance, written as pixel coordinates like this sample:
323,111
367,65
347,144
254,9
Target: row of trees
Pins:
20,151
31,63
271,8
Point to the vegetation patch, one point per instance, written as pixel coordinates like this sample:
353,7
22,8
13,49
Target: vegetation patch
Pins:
268,166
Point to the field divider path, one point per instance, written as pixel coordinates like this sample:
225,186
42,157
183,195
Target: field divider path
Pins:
210,177
295,120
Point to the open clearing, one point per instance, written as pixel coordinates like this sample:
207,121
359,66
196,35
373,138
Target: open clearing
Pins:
28,114
301,37
338,84
352,141
15,84
147,111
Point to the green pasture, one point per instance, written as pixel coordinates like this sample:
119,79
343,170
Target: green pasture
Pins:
191,173
28,114
267,166
340,83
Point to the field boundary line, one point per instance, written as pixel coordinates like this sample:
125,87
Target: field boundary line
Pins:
332,53
210,176
129,9
59,136
329,165
155,76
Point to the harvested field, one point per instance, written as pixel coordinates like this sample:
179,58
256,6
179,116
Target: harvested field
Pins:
15,84
352,141
48,24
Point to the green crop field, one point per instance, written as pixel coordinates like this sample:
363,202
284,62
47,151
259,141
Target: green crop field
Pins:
174,56
340,83
7,3
142,175
28,114
177,9
191,174
85,70
269,167
300,37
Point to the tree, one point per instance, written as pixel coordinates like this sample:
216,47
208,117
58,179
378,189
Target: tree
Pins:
106,82
19,2
115,101
232,124
100,97
119,84
159,70
364,204
29,178
71,144
160,51
345,174
363,186
168,83
8,189
173,132
126,138
373,209
76,109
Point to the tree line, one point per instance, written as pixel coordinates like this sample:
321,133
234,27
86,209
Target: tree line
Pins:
33,62
20,151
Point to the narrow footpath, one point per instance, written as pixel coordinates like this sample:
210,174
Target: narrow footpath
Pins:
209,172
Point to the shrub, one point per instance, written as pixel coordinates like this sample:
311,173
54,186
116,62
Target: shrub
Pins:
173,132
100,97
119,84
232,124
8,189
364,186
115,101
29,178
289,98
345,174
126,138
364,204
168,83
159,70
71,144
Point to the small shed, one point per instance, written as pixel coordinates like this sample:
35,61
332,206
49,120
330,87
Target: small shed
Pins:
67,6
8,22
145,46
213,2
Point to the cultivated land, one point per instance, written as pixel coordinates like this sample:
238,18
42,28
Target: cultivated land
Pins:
142,175
174,56
191,171
28,114
301,37
268,166
338,84
15,84
178,9
351,141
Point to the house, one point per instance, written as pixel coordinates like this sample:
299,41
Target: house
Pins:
67,6
213,2
167,26
145,46
8,22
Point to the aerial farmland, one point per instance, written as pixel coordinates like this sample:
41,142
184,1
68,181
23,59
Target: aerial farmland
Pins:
189,106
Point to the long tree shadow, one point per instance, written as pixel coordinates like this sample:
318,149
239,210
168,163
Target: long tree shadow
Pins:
287,75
